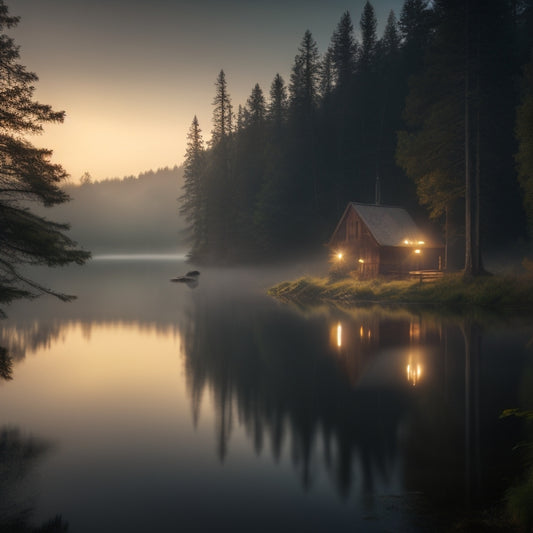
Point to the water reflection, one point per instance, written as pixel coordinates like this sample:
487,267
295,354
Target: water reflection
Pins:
19,455
362,404
380,399
6,365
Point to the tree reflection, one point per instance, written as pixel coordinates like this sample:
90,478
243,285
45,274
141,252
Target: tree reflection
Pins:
6,365
18,456
279,376
334,386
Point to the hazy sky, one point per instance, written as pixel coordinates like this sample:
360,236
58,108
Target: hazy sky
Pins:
132,74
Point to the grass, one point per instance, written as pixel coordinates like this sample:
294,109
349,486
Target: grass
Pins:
453,291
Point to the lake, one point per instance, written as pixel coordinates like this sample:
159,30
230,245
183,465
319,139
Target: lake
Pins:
146,405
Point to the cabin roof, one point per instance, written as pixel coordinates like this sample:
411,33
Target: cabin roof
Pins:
390,226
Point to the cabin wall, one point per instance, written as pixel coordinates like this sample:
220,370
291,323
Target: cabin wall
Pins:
359,248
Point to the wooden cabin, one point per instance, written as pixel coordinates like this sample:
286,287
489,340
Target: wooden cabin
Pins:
372,240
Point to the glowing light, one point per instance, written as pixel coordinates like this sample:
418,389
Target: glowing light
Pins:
418,251
414,374
340,256
361,332
409,242
339,335
361,261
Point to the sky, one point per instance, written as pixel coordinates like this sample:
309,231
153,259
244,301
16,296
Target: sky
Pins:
132,74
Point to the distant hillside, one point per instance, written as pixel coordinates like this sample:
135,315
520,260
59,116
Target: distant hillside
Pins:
134,214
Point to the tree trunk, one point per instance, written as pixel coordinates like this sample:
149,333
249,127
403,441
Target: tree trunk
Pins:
469,265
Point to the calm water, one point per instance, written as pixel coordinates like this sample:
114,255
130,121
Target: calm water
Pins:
149,406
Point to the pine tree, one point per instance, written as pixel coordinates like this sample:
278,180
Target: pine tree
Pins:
415,25
524,135
432,150
328,79
222,112
193,199
277,107
256,106
344,49
27,176
369,39
305,76
220,210
389,45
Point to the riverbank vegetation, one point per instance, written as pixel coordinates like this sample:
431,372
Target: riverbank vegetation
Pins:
504,294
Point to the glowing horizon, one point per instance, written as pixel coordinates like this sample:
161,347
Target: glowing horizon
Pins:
131,76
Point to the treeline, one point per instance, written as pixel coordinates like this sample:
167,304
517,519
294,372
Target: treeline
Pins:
424,115
133,214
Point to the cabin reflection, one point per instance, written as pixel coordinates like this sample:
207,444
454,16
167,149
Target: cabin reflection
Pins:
357,342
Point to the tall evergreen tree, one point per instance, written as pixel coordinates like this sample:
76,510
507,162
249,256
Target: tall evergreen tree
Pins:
524,134
305,76
391,89
27,177
256,106
369,39
431,151
277,107
222,112
461,125
193,198
327,76
415,25
220,211
344,50
389,44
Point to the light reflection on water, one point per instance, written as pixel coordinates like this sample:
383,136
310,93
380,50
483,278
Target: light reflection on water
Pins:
217,408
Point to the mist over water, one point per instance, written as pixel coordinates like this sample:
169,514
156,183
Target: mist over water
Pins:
159,406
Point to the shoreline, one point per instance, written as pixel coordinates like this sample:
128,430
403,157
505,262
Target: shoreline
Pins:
506,295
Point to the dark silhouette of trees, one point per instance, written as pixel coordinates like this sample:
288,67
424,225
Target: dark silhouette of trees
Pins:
219,198
427,110
27,178
344,52
193,204
524,133
369,38
304,77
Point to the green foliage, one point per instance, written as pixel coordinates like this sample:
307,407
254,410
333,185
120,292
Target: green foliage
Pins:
27,178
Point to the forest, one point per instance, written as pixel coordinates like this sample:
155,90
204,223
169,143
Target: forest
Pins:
435,115
135,213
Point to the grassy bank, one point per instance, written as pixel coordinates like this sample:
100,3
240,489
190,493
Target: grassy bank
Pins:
453,291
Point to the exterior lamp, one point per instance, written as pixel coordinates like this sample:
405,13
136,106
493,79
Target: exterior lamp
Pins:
361,261
417,251
340,256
